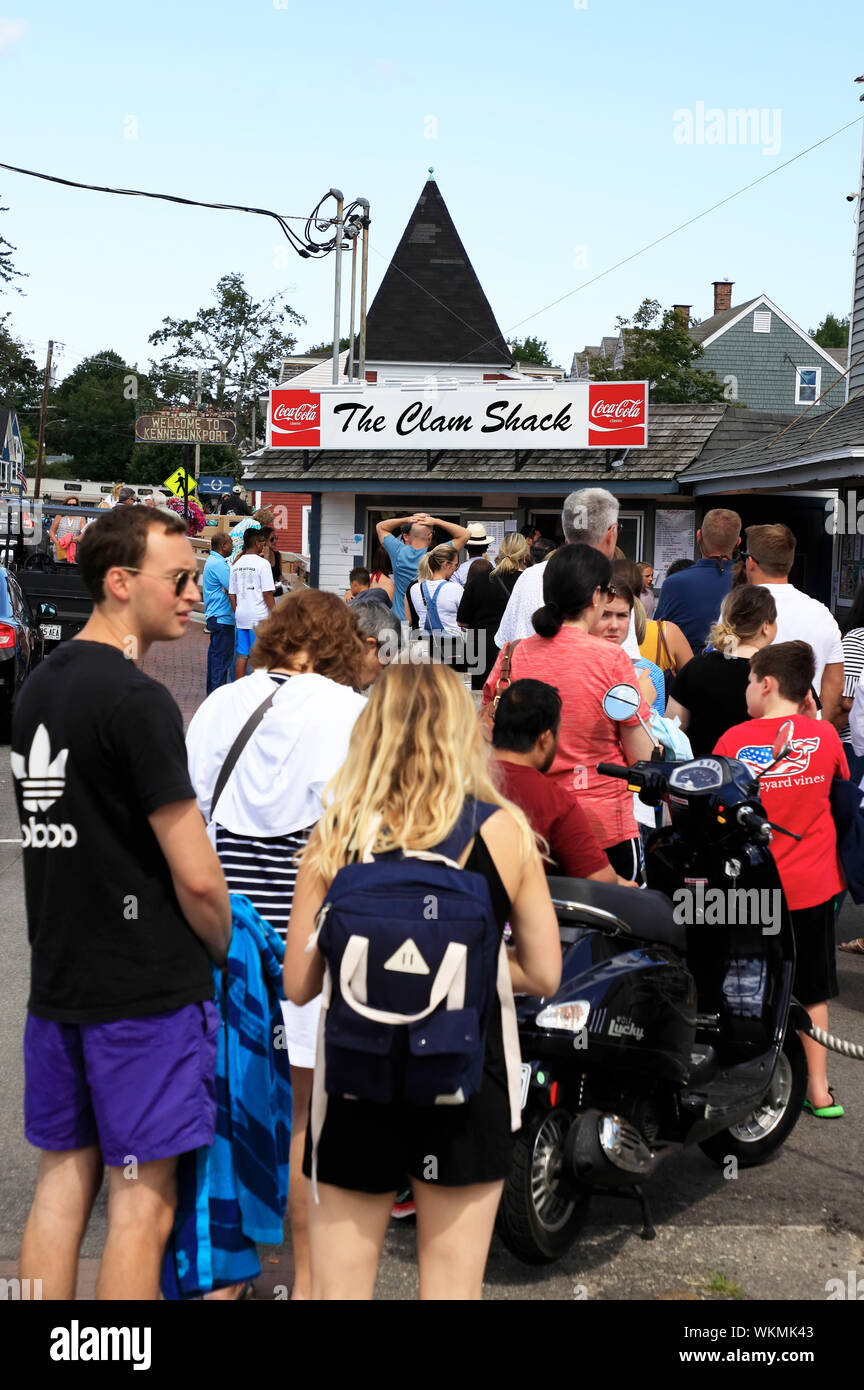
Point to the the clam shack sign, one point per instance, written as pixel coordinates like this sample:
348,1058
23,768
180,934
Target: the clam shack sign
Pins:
499,415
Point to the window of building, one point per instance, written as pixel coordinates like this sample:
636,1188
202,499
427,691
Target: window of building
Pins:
762,321
807,383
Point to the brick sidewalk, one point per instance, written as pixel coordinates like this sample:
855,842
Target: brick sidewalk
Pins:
181,666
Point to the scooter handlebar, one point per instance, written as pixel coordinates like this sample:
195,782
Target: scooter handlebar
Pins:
615,770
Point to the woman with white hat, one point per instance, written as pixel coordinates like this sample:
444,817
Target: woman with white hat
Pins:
477,544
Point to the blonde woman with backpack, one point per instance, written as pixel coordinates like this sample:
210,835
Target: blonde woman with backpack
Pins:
416,779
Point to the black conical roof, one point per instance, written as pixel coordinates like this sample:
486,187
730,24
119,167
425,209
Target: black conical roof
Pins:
430,306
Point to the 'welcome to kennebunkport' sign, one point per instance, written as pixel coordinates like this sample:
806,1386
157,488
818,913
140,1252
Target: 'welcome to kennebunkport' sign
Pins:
568,415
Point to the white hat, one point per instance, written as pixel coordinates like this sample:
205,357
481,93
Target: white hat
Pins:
477,535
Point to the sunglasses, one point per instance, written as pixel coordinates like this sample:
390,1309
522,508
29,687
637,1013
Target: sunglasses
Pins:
180,579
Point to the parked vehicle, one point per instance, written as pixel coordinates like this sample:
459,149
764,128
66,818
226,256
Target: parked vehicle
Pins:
666,1031
55,592
21,643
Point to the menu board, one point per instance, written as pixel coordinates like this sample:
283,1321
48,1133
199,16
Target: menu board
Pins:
674,539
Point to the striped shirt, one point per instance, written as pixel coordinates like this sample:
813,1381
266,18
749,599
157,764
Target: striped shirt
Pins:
853,665
264,869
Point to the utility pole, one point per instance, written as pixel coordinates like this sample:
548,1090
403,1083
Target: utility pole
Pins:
351,372
198,446
337,289
42,411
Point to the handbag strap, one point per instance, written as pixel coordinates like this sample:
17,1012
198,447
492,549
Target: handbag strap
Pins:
504,673
663,650
237,748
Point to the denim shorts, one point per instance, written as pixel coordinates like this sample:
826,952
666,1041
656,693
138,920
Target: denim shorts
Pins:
141,1088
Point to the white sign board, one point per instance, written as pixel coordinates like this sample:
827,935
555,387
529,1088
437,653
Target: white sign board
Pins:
489,415
674,538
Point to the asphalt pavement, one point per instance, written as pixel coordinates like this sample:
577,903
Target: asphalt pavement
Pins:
778,1232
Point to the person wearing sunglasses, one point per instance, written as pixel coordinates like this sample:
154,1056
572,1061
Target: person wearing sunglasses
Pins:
126,908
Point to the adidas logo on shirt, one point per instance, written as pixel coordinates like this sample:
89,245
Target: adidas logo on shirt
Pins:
43,782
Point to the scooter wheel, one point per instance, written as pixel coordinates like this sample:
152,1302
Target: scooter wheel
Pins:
542,1208
755,1139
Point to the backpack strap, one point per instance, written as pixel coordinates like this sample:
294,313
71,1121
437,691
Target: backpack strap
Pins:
472,816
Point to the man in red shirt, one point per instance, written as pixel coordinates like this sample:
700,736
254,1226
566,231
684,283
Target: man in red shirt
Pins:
796,794
525,741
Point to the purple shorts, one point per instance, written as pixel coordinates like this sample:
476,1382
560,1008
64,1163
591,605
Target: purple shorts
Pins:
140,1088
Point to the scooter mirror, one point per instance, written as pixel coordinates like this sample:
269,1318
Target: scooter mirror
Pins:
621,702
782,745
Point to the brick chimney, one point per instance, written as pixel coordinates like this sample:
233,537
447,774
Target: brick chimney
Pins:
682,312
722,295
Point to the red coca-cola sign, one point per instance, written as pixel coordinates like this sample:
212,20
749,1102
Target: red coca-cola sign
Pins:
295,419
617,413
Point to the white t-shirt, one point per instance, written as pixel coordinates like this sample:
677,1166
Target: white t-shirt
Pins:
801,618
251,577
447,597
526,598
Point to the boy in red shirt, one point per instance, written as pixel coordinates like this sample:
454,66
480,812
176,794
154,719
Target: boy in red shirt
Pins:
525,741
796,795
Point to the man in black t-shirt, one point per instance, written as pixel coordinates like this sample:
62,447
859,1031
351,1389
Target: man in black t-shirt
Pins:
125,899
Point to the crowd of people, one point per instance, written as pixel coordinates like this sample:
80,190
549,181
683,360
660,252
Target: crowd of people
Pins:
325,749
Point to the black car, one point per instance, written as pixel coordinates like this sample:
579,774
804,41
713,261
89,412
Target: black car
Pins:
21,643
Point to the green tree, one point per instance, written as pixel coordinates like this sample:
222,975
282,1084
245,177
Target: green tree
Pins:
237,342
8,272
92,416
20,378
658,349
530,350
832,332
327,348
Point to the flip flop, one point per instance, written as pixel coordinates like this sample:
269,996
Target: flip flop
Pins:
834,1111
855,948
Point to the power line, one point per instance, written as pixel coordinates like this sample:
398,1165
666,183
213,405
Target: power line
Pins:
305,247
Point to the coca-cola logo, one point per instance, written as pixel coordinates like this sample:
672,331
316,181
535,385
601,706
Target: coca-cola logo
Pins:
617,414
295,419
617,410
292,416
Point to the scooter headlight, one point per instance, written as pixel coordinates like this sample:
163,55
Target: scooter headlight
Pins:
566,1018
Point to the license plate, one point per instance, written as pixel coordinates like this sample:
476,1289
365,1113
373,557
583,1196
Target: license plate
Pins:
51,632
526,1082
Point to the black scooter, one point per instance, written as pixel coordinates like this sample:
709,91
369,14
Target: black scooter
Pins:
674,1023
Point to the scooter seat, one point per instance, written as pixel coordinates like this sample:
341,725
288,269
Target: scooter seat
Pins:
648,914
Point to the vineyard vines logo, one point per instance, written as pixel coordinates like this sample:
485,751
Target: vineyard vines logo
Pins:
757,756
43,782
625,1028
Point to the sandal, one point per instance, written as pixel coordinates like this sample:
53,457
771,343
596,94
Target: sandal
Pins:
834,1111
855,948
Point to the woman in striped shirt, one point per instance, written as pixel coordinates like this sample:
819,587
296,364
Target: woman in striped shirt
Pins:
310,657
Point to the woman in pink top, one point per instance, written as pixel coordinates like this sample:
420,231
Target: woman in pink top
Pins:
582,668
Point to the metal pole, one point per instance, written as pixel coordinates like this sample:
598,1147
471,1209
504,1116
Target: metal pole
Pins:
186,483
42,411
364,268
337,289
351,371
198,446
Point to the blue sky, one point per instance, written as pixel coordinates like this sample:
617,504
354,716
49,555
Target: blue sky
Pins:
552,132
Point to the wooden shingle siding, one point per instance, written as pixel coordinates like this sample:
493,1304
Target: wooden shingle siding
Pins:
765,375
856,375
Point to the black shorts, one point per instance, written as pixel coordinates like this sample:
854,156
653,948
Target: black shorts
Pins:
816,965
366,1147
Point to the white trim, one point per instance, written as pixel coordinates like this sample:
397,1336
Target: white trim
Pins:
839,466
798,384
784,318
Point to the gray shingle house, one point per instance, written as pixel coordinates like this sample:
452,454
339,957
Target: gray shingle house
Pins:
764,360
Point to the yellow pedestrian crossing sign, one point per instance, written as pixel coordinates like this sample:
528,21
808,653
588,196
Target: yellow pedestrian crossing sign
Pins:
175,482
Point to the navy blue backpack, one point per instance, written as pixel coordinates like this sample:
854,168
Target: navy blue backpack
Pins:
414,961
846,800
